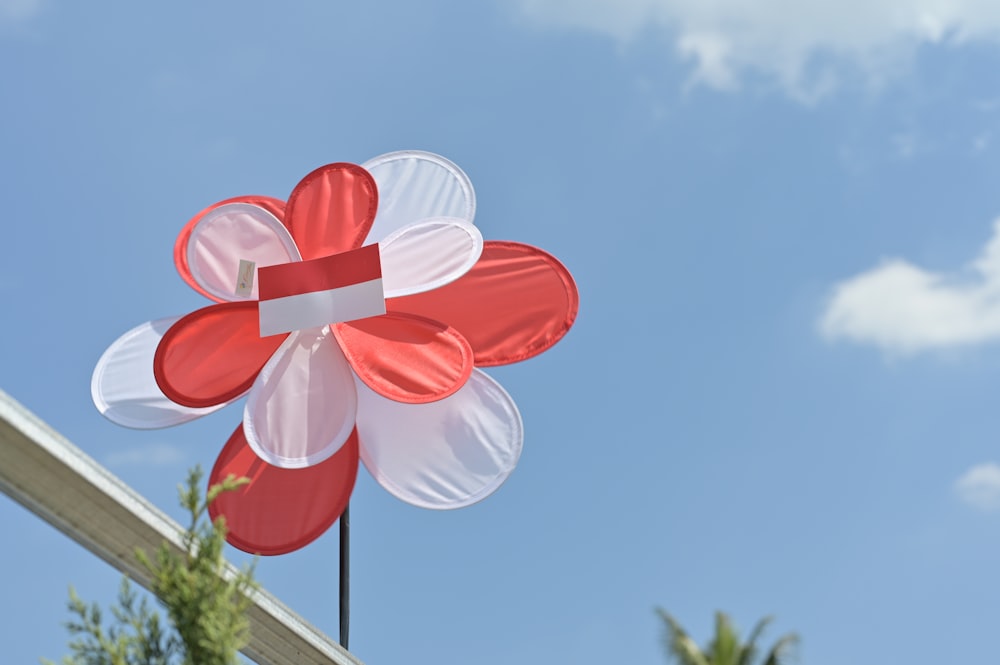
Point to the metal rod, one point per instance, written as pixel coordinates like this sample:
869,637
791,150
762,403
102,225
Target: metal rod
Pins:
345,575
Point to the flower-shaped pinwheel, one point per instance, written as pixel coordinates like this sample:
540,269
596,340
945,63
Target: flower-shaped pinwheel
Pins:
400,391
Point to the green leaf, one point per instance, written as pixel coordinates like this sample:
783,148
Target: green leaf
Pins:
725,646
207,614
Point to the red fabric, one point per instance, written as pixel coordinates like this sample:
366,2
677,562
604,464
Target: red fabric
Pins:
213,354
406,358
329,272
332,209
516,302
274,206
281,510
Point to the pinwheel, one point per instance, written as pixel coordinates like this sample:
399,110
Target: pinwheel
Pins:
355,319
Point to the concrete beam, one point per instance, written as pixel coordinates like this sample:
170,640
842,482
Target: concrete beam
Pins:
57,481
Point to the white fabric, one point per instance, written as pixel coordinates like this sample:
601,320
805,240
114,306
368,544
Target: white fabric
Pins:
124,389
415,185
302,406
428,254
318,308
234,232
445,454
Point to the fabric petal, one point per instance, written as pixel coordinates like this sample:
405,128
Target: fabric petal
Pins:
406,358
272,206
281,510
415,185
332,209
301,408
448,454
231,233
124,388
212,355
516,302
429,254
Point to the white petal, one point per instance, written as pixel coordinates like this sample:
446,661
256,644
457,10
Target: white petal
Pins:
445,454
123,386
415,185
302,405
230,233
428,254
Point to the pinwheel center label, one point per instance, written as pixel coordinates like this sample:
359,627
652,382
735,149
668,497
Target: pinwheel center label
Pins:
314,293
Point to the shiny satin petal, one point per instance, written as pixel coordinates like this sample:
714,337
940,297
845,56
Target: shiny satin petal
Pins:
406,358
415,185
212,355
332,209
124,388
301,408
281,510
443,455
275,207
427,255
516,302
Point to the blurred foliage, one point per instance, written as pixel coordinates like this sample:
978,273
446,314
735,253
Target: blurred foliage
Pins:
725,647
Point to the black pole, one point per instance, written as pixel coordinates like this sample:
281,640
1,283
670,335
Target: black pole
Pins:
345,575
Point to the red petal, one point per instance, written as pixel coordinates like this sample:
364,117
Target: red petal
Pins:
274,206
281,510
213,354
516,302
406,358
332,209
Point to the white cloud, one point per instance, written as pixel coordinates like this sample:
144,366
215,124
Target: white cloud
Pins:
160,454
903,308
980,487
787,40
18,10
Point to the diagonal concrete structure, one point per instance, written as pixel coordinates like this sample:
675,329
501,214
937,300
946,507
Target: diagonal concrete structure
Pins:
57,481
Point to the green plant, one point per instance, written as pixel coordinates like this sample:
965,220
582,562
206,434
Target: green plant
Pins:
725,647
206,606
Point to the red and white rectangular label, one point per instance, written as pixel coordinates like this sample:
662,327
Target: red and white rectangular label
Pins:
314,293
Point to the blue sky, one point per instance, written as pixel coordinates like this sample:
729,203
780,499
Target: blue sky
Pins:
779,396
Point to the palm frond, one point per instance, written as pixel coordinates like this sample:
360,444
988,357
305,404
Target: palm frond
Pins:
777,654
724,649
750,646
679,644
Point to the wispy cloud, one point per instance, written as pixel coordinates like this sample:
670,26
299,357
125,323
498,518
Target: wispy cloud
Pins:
805,46
160,454
981,142
18,10
980,487
902,308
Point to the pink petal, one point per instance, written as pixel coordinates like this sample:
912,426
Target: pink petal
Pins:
428,254
301,408
281,510
406,358
275,207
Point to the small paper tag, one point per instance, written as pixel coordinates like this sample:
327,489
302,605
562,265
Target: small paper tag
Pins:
244,280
